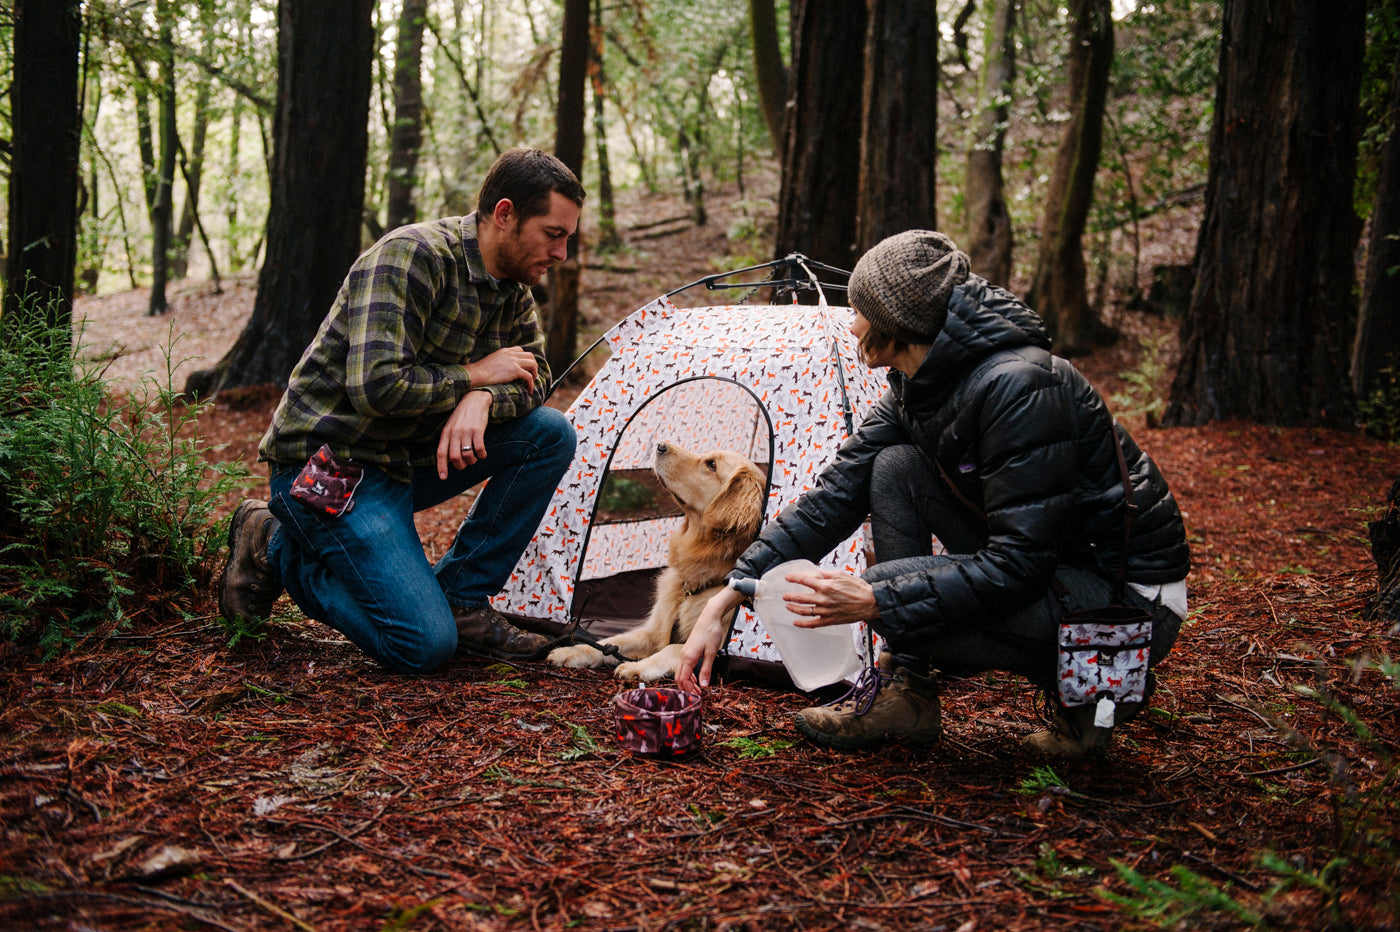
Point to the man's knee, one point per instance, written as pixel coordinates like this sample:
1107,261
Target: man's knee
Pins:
426,650
555,434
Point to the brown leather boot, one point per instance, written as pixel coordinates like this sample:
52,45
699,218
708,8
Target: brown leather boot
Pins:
1072,733
486,631
881,707
249,587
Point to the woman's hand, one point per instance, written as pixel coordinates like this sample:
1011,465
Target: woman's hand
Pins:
704,641
832,597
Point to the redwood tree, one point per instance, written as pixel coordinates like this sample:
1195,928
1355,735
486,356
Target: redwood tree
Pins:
321,136
989,233
564,279
899,142
1059,291
1377,343
1267,333
406,136
43,208
821,150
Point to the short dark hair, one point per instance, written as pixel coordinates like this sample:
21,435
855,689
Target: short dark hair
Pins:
527,177
876,341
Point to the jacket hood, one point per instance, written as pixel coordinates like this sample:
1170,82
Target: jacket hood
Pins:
982,319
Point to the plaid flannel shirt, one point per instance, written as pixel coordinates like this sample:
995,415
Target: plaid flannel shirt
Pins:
389,363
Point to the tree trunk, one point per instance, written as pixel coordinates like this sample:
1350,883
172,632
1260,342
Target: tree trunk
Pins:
1377,343
194,164
899,140
1266,337
989,233
407,135
821,153
769,72
562,327
163,208
1385,548
1060,291
43,185
608,238
324,51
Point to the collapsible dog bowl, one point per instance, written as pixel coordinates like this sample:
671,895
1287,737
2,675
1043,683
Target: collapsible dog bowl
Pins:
659,721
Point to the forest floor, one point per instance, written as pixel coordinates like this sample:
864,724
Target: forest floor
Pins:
163,779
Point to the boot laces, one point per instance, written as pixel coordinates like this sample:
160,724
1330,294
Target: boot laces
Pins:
862,694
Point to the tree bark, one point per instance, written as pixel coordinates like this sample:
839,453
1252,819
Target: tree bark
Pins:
562,322
899,140
1267,335
1377,343
194,164
608,238
163,207
43,185
989,233
1385,548
407,135
324,51
770,74
821,154
1060,291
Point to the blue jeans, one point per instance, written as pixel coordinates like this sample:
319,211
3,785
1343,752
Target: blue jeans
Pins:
365,573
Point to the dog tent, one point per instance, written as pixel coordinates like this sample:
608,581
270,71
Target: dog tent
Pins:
778,383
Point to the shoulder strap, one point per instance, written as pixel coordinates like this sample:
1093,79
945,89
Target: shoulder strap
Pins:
1130,513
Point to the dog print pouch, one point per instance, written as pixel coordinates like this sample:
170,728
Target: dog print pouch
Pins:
1103,657
327,485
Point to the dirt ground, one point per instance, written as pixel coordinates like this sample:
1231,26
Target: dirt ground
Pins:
165,780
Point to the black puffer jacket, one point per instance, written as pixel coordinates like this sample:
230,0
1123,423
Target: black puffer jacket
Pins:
1028,442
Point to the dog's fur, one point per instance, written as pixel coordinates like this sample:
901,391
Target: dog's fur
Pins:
721,494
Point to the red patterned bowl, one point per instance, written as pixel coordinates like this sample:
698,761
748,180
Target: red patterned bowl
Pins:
657,721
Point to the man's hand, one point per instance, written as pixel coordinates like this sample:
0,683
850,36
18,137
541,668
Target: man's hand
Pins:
463,439
507,364
703,643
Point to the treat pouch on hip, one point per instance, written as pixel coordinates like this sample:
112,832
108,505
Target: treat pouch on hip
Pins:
327,485
1104,654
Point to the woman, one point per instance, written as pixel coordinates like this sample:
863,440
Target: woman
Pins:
1005,454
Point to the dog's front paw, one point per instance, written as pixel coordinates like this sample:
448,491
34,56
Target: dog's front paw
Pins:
578,657
642,671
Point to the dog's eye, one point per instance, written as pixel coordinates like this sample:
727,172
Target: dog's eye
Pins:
710,465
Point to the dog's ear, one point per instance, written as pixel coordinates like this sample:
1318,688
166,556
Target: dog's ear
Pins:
738,508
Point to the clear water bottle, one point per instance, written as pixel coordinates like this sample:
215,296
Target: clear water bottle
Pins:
813,657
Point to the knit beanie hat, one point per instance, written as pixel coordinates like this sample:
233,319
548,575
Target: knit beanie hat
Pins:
902,285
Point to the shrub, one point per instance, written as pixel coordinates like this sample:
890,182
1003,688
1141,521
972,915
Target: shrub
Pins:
105,500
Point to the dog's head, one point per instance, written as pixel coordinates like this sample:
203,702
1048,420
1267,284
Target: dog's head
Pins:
720,490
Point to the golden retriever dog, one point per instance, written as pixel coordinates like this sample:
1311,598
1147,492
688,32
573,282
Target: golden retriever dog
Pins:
721,495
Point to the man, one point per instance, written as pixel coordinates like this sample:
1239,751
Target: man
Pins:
427,377
1011,459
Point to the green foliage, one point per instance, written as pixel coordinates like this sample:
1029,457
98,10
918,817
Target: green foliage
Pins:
105,501
1041,780
1140,396
1163,904
1378,67
751,749
1378,409
622,494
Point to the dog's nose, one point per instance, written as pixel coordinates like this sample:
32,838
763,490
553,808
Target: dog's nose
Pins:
661,448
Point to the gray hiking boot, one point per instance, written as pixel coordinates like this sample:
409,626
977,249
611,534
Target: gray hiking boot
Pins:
881,707
486,631
249,587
